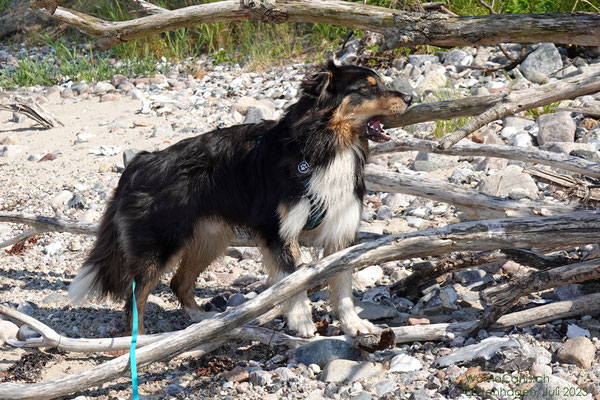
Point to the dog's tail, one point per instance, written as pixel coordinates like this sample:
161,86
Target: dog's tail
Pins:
104,272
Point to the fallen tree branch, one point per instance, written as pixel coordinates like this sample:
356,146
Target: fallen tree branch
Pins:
34,111
427,271
574,229
534,316
557,160
583,191
589,111
472,202
400,28
517,101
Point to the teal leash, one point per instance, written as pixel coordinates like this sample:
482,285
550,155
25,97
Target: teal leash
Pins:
134,332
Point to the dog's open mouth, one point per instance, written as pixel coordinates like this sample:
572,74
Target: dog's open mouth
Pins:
374,131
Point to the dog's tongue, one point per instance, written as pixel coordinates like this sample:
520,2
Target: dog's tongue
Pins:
375,131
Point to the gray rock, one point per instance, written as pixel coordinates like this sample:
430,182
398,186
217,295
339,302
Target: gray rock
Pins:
521,140
557,127
397,200
404,363
103,87
55,297
384,387
260,378
519,124
420,394
257,114
80,88
129,155
162,130
8,330
435,79
67,93
117,80
579,351
27,332
403,85
363,396
25,308
540,370
542,62
347,370
373,311
492,346
285,374
236,300
324,351
384,212
430,162
11,150
174,389
458,58
468,275
368,276
511,177
53,249
419,60
570,148
555,388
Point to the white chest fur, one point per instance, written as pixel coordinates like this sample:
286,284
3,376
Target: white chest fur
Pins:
331,188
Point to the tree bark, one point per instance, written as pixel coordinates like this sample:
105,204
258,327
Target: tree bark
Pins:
400,29
575,229
577,165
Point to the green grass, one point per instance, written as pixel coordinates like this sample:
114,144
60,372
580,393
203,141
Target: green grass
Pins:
547,109
69,64
443,127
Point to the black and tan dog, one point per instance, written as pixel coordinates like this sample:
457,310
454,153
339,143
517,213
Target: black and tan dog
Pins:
178,206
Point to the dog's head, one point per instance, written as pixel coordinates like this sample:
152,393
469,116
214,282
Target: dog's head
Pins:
358,98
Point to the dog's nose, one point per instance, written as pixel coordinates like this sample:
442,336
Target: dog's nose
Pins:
407,99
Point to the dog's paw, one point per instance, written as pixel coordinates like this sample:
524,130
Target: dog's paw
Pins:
303,326
355,326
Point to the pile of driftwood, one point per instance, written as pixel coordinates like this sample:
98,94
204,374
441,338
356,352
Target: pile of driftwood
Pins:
497,223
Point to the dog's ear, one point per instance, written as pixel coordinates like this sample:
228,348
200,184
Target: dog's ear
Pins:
320,84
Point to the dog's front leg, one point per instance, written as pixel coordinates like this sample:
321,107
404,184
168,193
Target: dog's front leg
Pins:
342,301
280,260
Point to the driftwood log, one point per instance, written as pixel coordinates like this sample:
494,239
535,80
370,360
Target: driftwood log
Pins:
34,111
574,164
576,229
517,101
404,334
400,28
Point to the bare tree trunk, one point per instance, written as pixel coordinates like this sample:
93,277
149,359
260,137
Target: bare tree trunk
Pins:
399,28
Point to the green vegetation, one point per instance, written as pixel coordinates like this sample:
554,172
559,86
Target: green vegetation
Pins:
443,127
253,44
67,63
547,109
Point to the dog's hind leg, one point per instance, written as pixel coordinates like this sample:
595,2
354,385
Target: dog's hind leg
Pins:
343,303
143,286
280,261
210,240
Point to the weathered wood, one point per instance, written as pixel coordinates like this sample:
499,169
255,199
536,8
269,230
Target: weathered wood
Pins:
514,102
575,229
470,201
573,187
529,154
34,111
400,28
505,293
427,271
589,111
538,315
